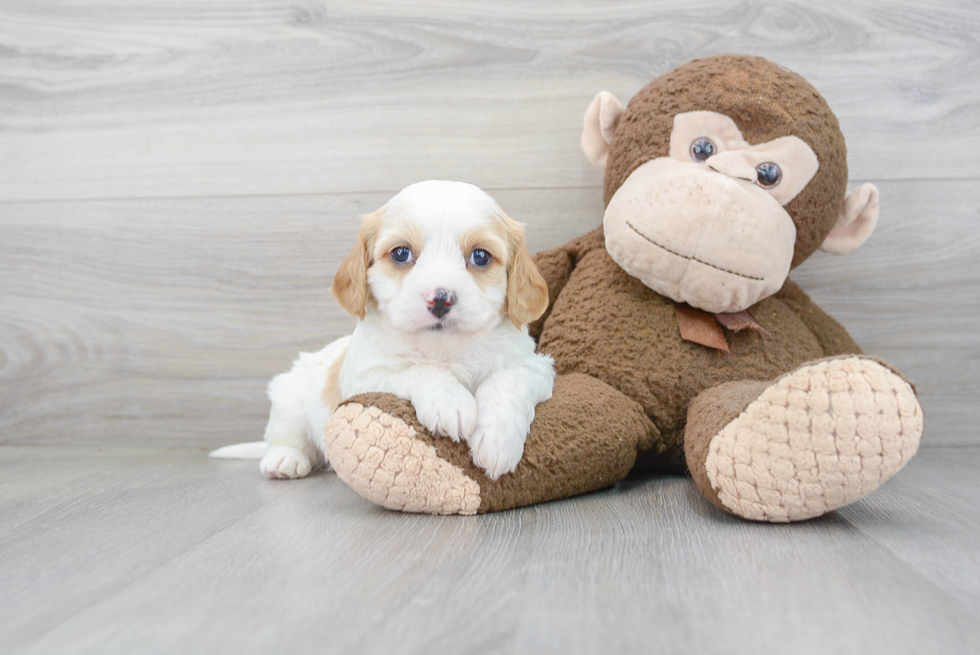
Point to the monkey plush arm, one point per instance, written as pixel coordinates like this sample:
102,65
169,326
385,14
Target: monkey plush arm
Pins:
556,266
831,335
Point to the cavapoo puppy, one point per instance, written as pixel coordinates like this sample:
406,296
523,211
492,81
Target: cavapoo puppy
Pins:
443,286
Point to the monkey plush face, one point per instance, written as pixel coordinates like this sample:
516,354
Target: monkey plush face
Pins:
706,224
720,177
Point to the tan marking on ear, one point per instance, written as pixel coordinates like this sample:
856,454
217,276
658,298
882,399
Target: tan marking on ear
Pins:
527,292
331,389
350,286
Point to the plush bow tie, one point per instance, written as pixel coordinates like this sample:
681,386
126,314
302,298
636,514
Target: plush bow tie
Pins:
701,327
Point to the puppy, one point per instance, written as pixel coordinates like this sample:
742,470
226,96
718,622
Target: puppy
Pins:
444,287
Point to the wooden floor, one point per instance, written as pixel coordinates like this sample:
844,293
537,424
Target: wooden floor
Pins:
146,550
178,183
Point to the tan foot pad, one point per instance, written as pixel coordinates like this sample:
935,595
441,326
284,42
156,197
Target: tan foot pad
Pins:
815,440
379,457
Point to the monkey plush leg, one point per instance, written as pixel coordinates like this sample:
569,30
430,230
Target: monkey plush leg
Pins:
815,439
585,438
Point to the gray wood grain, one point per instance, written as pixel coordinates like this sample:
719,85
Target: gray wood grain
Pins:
160,321
162,550
190,98
940,539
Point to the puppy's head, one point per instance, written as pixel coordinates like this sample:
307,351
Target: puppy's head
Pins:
441,256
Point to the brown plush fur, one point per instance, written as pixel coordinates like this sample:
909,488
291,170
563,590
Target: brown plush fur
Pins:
606,324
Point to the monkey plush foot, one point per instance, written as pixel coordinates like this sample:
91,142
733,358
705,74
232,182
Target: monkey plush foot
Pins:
814,440
381,451
585,438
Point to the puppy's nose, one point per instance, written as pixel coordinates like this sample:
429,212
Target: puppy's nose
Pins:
440,303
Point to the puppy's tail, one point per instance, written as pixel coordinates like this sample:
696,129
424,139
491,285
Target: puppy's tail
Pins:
250,450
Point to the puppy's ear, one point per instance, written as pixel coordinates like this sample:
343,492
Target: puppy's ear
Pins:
527,292
350,286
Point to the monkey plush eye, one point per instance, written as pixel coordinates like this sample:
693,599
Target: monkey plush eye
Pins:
701,149
402,255
480,258
769,174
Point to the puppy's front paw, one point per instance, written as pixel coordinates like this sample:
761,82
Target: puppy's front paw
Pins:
447,411
285,463
497,444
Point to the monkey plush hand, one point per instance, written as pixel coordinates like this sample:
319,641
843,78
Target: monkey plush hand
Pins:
679,341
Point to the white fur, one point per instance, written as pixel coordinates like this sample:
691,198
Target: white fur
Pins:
476,378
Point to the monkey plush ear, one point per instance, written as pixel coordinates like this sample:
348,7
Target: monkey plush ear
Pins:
601,119
855,222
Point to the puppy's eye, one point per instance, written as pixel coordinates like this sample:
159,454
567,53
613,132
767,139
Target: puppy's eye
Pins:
769,174
701,149
480,258
402,255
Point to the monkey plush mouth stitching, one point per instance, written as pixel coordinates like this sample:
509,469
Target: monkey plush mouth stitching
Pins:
700,261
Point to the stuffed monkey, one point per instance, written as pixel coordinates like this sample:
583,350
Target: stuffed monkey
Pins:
680,343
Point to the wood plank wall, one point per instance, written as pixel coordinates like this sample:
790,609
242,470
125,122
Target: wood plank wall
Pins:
178,181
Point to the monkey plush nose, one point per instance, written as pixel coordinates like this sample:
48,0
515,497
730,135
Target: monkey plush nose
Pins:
734,163
440,303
